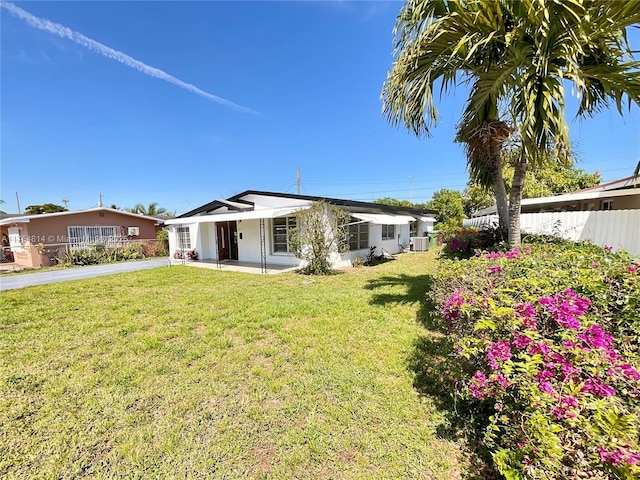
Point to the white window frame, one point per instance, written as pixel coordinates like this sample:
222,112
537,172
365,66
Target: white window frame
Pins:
358,229
388,232
16,239
290,222
183,237
607,204
82,236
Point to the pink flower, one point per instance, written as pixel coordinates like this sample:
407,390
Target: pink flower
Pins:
494,269
451,309
527,313
567,368
595,337
608,249
478,385
633,268
520,341
515,253
566,408
498,351
620,456
539,347
597,387
546,387
595,264
629,371
501,380
565,307
493,255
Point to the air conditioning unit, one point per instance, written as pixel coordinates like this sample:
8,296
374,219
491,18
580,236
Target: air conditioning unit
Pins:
133,231
420,244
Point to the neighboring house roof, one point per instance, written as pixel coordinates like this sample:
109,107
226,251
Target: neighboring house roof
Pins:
28,218
4,215
567,197
623,183
237,202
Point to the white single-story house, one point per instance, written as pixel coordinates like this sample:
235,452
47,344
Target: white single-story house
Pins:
252,227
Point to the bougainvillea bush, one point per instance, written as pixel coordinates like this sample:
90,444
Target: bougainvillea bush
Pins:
548,337
464,242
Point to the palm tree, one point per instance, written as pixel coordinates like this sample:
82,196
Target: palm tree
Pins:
152,210
515,55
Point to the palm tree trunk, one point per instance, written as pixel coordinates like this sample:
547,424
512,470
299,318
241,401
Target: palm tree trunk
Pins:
500,192
515,200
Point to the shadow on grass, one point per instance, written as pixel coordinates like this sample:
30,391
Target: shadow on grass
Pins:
415,287
435,370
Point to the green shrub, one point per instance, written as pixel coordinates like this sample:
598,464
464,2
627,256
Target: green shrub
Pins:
99,253
547,337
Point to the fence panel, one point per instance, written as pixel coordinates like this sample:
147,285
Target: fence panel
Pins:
619,229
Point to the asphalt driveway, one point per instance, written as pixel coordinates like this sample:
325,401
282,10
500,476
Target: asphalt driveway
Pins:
10,282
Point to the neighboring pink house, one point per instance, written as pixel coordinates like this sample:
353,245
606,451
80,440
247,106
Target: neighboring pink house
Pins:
35,240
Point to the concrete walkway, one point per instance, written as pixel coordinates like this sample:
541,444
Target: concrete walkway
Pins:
10,282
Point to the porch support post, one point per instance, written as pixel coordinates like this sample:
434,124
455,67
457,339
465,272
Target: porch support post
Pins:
263,247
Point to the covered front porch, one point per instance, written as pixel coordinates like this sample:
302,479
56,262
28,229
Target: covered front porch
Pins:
236,266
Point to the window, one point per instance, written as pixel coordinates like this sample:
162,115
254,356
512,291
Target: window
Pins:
16,239
82,237
413,229
607,205
358,235
388,232
183,234
281,228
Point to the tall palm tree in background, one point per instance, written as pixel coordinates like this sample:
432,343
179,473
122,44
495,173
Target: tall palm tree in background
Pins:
515,56
152,210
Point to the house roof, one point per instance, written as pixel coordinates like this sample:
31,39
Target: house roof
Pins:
567,198
623,183
28,218
239,215
238,202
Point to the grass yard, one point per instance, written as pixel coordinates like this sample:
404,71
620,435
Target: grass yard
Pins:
195,373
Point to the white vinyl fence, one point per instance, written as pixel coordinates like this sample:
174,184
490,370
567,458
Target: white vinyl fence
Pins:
619,229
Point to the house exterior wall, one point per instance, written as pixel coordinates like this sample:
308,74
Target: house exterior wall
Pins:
55,229
42,238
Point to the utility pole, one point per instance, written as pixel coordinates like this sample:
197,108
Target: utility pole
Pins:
100,201
65,200
410,191
298,179
18,202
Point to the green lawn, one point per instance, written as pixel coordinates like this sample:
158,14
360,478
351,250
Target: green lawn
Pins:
186,372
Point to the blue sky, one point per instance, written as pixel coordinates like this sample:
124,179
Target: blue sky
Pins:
297,84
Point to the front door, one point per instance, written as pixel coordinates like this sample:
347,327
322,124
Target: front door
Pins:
223,240
227,240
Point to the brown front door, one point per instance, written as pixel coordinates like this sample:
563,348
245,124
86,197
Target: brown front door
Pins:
227,240
223,240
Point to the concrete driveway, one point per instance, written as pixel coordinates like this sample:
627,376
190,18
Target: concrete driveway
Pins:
11,282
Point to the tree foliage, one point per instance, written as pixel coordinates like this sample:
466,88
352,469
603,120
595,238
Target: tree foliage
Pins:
152,210
44,208
449,208
320,234
395,202
544,180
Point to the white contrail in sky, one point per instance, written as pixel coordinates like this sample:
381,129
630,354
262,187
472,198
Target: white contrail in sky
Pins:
64,32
